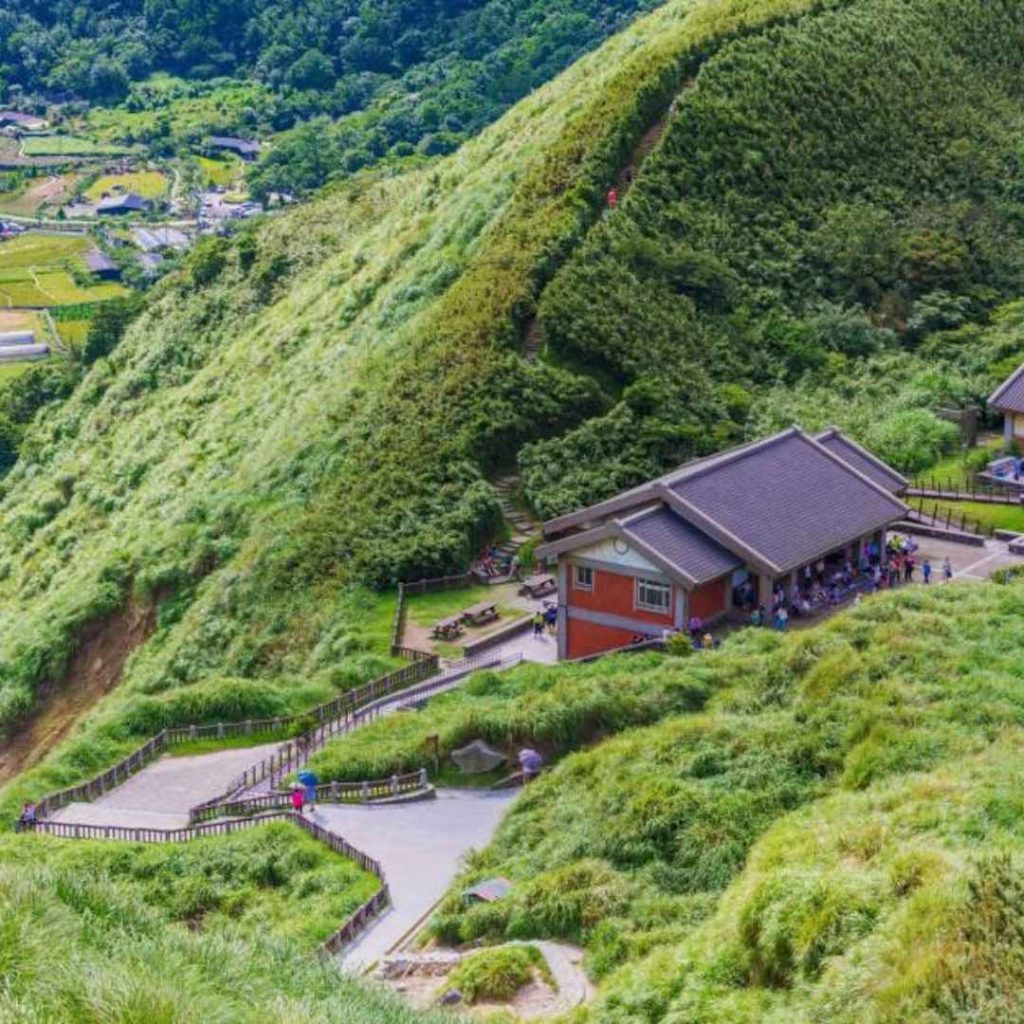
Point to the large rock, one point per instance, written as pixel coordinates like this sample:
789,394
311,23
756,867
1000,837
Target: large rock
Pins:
477,757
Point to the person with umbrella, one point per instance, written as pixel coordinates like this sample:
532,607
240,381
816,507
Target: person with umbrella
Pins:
310,781
298,798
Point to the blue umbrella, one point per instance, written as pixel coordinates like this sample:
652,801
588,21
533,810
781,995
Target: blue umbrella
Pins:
308,779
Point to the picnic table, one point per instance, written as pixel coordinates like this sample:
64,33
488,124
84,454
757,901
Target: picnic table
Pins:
448,629
539,585
480,614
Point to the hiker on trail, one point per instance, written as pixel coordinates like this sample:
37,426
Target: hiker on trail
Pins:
551,617
538,625
947,569
27,818
514,567
298,800
926,571
908,568
613,198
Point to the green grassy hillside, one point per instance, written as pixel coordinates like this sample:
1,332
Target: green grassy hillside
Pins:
827,191
313,406
221,930
836,833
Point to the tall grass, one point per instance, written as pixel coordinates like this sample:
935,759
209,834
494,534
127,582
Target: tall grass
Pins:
806,841
220,930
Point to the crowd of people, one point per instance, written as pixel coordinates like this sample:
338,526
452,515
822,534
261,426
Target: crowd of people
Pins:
822,585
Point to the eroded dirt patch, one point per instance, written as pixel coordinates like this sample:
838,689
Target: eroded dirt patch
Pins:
94,670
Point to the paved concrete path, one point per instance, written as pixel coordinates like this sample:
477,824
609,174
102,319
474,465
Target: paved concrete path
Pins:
161,794
969,563
421,847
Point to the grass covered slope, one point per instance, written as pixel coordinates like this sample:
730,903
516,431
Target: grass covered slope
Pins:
823,839
828,190
310,407
220,930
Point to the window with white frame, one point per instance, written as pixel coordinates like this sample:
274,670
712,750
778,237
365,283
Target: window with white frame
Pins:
583,577
653,596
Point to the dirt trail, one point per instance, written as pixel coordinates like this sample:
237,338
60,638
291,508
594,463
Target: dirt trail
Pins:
95,669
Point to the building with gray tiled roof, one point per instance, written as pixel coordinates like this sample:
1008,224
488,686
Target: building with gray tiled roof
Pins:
677,547
1008,399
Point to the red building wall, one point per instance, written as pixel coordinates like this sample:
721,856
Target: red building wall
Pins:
614,595
709,600
590,638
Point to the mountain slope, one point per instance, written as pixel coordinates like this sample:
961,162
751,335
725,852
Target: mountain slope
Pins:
828,190
311,407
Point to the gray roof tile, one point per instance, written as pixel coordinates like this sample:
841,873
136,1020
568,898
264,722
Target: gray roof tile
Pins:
1009,396
862,460
787,499
681,544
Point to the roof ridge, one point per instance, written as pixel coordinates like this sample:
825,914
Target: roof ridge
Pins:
836,432
1006,385
698,467
690,512
852,469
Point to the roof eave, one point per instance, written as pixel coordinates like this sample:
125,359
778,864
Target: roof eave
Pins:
602,509
716,531
870,456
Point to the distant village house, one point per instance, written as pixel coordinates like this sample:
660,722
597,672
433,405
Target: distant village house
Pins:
22,122
247,149
748,520
102,265
155,239
118,205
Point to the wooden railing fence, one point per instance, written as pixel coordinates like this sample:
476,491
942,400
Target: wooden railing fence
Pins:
293,755
329,715
328,793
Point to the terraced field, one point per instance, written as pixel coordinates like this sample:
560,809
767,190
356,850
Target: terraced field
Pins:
148,184
68,145
35,270
51,191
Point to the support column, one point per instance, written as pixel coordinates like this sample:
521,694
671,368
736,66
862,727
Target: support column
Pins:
680,618
563,608
765,584
1007,428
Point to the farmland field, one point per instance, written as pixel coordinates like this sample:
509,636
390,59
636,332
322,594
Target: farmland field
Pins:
68,145
34,271
219,172
51,191
148,184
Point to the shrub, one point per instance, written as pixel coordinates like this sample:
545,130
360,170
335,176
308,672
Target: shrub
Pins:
496,974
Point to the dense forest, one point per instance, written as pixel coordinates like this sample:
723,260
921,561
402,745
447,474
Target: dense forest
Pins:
354,82
793,230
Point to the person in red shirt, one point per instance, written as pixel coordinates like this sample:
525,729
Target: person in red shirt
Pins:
297,800
613,198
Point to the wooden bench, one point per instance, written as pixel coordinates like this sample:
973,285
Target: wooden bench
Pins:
539,586
480,614
448,629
